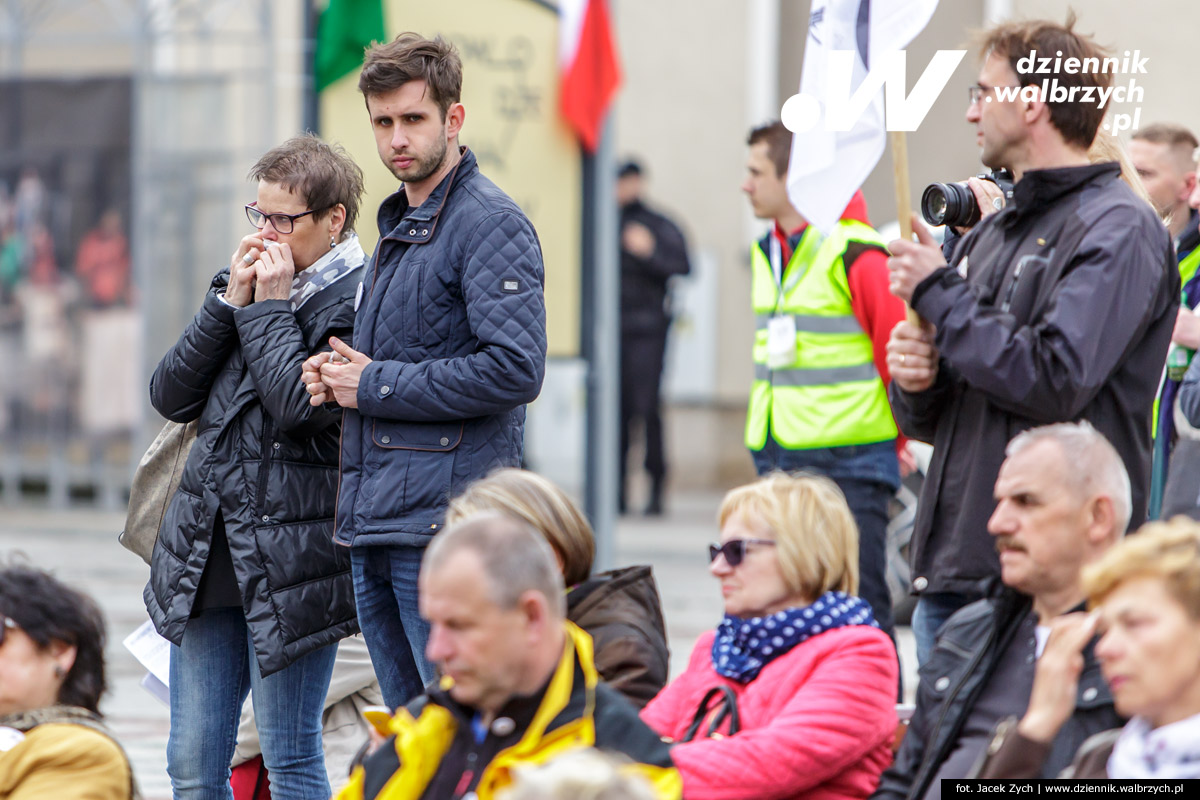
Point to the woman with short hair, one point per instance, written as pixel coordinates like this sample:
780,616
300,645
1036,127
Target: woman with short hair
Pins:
812,676
53,742
620,608
245,580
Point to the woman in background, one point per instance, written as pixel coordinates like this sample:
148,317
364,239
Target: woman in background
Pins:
53,743
620,609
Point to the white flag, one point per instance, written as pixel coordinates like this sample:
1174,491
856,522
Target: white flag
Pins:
827,167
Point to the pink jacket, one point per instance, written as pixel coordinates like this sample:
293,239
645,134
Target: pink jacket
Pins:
817,722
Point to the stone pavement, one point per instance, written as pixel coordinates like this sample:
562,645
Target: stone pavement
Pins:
81,548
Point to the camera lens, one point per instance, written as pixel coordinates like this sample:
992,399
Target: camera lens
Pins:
949,204
933,204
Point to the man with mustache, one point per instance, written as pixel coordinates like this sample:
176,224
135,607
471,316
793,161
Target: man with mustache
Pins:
1062,499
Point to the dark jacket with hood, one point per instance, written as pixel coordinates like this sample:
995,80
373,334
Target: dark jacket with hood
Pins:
267,461
622,612
961,664
453,316
1058,308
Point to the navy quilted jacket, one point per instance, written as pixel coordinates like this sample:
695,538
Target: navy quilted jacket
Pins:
453,316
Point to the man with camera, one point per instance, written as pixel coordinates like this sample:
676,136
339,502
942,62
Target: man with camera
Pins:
1058,307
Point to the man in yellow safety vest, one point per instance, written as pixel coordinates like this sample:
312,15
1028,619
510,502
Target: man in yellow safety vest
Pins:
823,315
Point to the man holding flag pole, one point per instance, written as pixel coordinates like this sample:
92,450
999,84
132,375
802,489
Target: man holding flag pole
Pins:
1057,308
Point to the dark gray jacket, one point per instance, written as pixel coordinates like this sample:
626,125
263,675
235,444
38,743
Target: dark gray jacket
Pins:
1065,313
960,665
268,460
453,316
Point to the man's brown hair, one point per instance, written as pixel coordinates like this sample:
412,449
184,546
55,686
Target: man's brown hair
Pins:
412,57
779,144
323,174
1077,121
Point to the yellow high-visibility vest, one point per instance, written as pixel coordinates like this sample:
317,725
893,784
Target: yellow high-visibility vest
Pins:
831,394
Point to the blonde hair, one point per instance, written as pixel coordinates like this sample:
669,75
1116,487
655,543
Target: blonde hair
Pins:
582,774
1109,148
816,538
530,497
1169,551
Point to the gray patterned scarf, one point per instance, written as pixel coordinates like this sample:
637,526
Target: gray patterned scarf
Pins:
328,268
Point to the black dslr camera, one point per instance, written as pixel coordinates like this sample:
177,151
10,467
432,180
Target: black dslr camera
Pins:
954,203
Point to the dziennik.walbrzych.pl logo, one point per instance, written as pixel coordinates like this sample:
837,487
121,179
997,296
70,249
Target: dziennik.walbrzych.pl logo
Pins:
844,103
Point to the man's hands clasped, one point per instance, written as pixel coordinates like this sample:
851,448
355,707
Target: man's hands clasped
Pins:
333,377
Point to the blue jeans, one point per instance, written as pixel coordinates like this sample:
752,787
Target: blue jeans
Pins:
210,675
931,612
868,476
385,590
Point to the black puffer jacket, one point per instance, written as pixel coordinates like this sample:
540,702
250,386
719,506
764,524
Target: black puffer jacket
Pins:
268,460
960,666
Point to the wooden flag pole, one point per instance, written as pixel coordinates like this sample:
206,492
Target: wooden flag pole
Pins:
903,204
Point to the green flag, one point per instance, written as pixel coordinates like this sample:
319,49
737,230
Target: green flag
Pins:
346,28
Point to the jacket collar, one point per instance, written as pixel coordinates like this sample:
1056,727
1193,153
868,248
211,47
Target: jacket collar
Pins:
1040,188
1189,240
571,687
397,220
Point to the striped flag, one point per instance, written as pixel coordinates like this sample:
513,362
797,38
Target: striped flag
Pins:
828,167
588,67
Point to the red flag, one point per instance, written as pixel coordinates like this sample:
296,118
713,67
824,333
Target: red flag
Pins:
588,67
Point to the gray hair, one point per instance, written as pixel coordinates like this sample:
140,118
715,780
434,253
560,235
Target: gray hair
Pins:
1094,466
582,774
515,558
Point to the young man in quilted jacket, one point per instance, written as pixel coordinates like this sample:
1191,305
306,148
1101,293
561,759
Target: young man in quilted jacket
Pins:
449,346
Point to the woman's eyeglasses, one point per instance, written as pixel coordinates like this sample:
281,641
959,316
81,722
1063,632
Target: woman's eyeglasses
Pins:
282,223
5,624
734,550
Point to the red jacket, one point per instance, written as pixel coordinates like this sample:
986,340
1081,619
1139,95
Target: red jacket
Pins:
817,722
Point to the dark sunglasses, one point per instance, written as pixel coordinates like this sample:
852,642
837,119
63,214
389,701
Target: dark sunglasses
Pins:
8,622
734,550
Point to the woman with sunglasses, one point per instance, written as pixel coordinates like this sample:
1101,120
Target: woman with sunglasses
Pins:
813,676
245,580
53,742
1145,599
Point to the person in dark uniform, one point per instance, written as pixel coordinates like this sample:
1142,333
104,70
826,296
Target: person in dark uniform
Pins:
653,250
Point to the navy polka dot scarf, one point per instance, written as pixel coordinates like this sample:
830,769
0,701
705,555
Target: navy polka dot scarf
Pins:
742,647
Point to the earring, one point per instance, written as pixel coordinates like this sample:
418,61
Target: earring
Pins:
59,671
332,241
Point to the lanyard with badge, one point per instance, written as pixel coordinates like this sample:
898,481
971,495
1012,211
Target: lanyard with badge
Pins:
781,328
